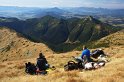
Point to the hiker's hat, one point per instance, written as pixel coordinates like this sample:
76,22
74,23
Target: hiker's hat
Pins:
41,55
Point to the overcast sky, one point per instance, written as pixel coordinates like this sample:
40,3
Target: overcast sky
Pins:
64,3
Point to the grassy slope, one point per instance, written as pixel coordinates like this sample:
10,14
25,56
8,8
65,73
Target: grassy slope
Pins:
115,39
13,71
14,46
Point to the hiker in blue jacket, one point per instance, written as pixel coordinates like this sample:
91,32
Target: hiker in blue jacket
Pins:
86,55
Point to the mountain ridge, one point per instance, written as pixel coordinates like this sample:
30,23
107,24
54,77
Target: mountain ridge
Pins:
36,12
57,31
14,46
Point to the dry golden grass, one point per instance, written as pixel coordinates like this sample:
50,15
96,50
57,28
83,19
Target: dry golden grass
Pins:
13,47
115,39
112,72
20,66
71,79
12,70
2,66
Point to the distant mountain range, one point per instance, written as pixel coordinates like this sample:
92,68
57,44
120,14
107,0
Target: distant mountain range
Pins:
58,33
95,11
32,12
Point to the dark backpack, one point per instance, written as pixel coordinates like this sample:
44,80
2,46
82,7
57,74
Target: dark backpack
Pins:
70,66
30,68
97,53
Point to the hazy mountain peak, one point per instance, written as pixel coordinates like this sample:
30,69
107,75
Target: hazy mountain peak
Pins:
89,18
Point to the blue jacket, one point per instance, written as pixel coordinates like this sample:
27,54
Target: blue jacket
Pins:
85,52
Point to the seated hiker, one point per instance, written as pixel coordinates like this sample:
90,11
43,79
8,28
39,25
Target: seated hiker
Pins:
86,55
42,63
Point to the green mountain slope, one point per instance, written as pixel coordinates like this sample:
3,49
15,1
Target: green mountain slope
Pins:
60,33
